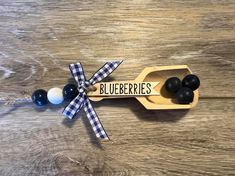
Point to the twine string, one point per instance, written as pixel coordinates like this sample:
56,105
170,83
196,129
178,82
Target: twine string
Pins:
15,100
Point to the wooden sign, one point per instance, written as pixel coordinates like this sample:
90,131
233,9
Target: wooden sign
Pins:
129,88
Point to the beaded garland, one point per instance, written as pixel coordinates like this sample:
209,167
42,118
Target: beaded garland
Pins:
55,95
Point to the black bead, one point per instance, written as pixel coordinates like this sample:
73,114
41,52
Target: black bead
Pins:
70,91
184,95
191,81
39,97
173,84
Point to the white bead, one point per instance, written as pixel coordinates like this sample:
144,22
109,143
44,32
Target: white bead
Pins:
55,96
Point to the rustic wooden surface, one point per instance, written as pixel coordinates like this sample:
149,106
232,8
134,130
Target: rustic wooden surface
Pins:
39,38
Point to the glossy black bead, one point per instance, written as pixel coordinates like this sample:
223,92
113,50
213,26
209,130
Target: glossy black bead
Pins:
39,97
191,81
173,84
184,95
70,91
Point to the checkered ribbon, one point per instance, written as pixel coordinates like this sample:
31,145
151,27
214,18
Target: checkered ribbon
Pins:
82,100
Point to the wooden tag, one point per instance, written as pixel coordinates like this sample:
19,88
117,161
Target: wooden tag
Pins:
128,88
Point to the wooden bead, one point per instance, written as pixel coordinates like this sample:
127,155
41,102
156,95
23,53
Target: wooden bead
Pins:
191,81
173,84
70,91
185,95
39,97
55,96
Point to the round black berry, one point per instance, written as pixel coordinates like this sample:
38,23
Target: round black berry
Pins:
184,95
173,84
191,81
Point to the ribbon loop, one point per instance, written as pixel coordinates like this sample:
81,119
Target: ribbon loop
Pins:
77,72
82,100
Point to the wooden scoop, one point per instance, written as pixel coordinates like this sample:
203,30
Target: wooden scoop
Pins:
154,77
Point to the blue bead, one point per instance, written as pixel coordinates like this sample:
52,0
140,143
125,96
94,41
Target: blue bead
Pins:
185,95
39,97
191,81
173,84
70,91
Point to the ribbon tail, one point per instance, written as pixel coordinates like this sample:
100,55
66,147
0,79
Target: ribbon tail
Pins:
104,71
94,120
74,106
77,72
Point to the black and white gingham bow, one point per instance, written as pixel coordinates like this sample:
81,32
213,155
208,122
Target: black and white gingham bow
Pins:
82,101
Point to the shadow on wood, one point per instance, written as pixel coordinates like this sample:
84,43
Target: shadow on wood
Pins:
82,116
142,113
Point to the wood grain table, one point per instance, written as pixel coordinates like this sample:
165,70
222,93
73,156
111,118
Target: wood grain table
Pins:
39,38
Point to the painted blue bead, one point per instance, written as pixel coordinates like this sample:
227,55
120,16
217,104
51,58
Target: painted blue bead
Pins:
185,95
70,91
39,97
173,84
191,81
